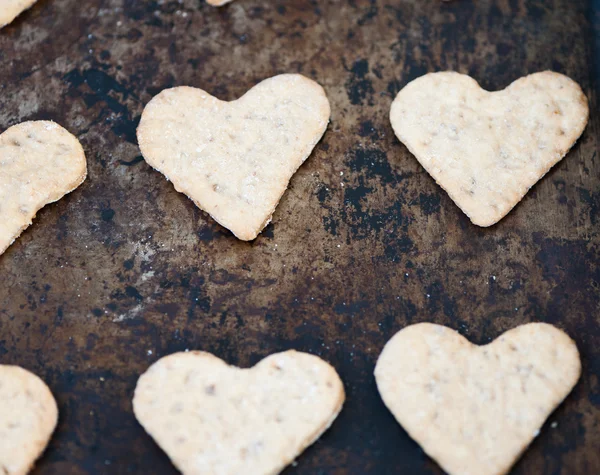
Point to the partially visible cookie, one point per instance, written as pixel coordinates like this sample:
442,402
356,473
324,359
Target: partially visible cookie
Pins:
235,159
28,416
40,162
486,149
11,9
211,418
218,3
475,409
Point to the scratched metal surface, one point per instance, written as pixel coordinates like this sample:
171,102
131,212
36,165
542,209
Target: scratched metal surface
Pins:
126,270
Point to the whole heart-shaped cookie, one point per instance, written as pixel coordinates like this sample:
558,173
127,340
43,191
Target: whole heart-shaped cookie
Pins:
11,9
486,149
211,418
235,159
28,416
40,162
474,409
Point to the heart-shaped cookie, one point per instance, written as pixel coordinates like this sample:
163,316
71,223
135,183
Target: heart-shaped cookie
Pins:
486,149
235,159
218,3
28,416
40,162
475,409
11,9
211,418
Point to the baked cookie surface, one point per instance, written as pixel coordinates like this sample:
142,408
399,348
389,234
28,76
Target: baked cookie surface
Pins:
475,409
28,416
40,162
235,159
11,9
486,149
212,418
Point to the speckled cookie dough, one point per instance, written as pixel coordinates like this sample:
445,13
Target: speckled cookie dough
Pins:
40,162
475,409
11,9
28,416
211,418
235,159
486,149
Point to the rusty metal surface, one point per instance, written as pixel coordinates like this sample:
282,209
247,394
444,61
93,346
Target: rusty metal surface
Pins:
126,270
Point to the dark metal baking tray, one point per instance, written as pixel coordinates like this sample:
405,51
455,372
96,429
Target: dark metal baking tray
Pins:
125,270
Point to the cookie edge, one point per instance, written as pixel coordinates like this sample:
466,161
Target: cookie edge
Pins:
33,2
246,234
49,397
76,184
559,333
499,216
310,440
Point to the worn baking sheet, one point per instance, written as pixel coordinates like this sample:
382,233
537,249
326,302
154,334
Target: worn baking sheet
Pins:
125,270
